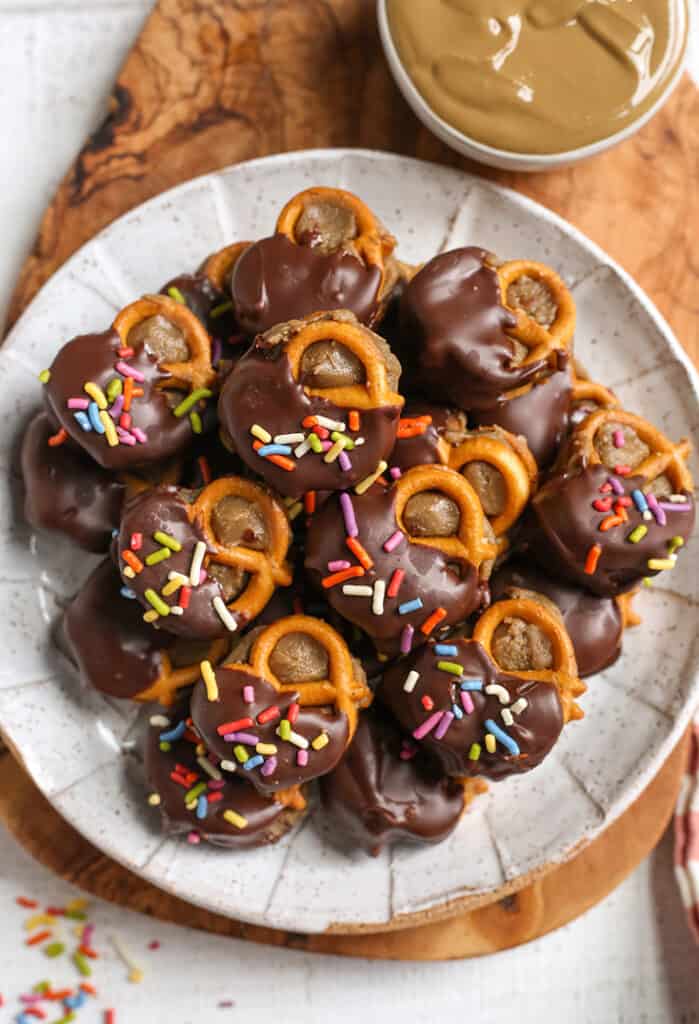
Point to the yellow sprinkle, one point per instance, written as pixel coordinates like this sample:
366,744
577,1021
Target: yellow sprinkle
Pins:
320,741
109,429
260,433
38,919
490,743
209,677
475,752
200,749
266,748
166,540
154,799
96,394
171,588
79,903
295,510
45,376
366,483
151,615
235,819
128,572
333,452
662,563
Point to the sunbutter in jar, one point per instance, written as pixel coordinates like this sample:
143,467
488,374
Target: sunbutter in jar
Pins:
539,76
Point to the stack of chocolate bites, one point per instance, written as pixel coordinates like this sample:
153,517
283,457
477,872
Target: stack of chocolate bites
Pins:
365,523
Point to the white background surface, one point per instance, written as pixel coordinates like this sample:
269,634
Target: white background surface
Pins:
628,960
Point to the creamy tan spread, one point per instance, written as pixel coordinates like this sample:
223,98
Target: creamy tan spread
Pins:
539,76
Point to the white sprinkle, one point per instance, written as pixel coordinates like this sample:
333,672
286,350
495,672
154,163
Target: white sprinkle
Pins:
176,610
507,716
179,576
229,766
379,594
356,590
411,681
359,441
159,721
197,562
295,738
289,438
519,706
498,691
207,766
323,421
647,515
224,615
677,498
302,449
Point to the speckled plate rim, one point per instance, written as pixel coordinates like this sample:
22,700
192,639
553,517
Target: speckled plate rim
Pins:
89,805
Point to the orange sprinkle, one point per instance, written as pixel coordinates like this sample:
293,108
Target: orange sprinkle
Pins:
592,559
620,511
89,951
59,995
609,521
204,469
622,470
353,420
309,502
87,987
60,438
278,460
382,481
35,1011
343,576
22,901
137,392
309,421
128,393
434,620
131,560
413,426
39,937
359,552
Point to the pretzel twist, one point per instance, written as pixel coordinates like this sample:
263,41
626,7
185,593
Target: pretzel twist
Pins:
665,457
170,680
374,393
564,674
197,371
629,615
592,391
268,569
542,342
218,266
470,543
513,461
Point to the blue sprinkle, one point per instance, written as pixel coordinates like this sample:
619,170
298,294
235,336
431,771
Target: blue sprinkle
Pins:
115,533
74,1002
446,650
639,500
83,420
274,449
128,592
253,762
202,806
472,684
456,711
410,606
502,736
174,734
94,414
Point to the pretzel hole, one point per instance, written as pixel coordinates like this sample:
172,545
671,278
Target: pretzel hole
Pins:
661,486
455,427
431,514
325,226
230,578
520,646
329,364
632,453
299,658
489,484
534,298
161,339
237,522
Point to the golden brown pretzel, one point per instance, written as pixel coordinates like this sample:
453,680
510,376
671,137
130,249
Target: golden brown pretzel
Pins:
373,243
629,615
374,393
564,674
170,680
585,390
513,460
665,458
218,266
470,542
542,342
340,690
197,372
268,569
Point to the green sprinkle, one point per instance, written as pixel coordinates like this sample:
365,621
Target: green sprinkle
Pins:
647,581
54,949
42,986
156,601
475,751
314,442
114,388
158,556
195,420
240,753
674,543
191,400
177,295
67,1019
337,436
194,792
165,746
452,667
638,533
80,961
76,915
167,541
284,729
219,310
45,376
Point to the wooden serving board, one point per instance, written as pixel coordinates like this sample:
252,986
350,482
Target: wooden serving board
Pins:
210,83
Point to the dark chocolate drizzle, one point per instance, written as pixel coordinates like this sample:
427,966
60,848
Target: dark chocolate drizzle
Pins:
535,730
374,798
66,491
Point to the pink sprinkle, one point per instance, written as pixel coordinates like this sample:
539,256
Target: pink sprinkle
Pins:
78,403
139,435
396,472
302,758
249,694
203,576
393,541
31,997
466,702
616,485
428,725
125,437
117,407
326,445
88,932
269,767
657,511
154,944
248,738
619,440
345,462
216,783
406,639
447,719
128,371
338,565
194,838
407,753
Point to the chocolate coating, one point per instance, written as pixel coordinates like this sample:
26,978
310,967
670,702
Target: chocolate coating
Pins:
204,299
276,280
375,799
91,357
231,706
428,575
66,491
262,390
454,331
594,623
425,449
266,819
535,730
540,415
563,525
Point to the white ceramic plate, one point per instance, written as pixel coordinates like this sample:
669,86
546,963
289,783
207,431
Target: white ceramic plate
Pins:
72,741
